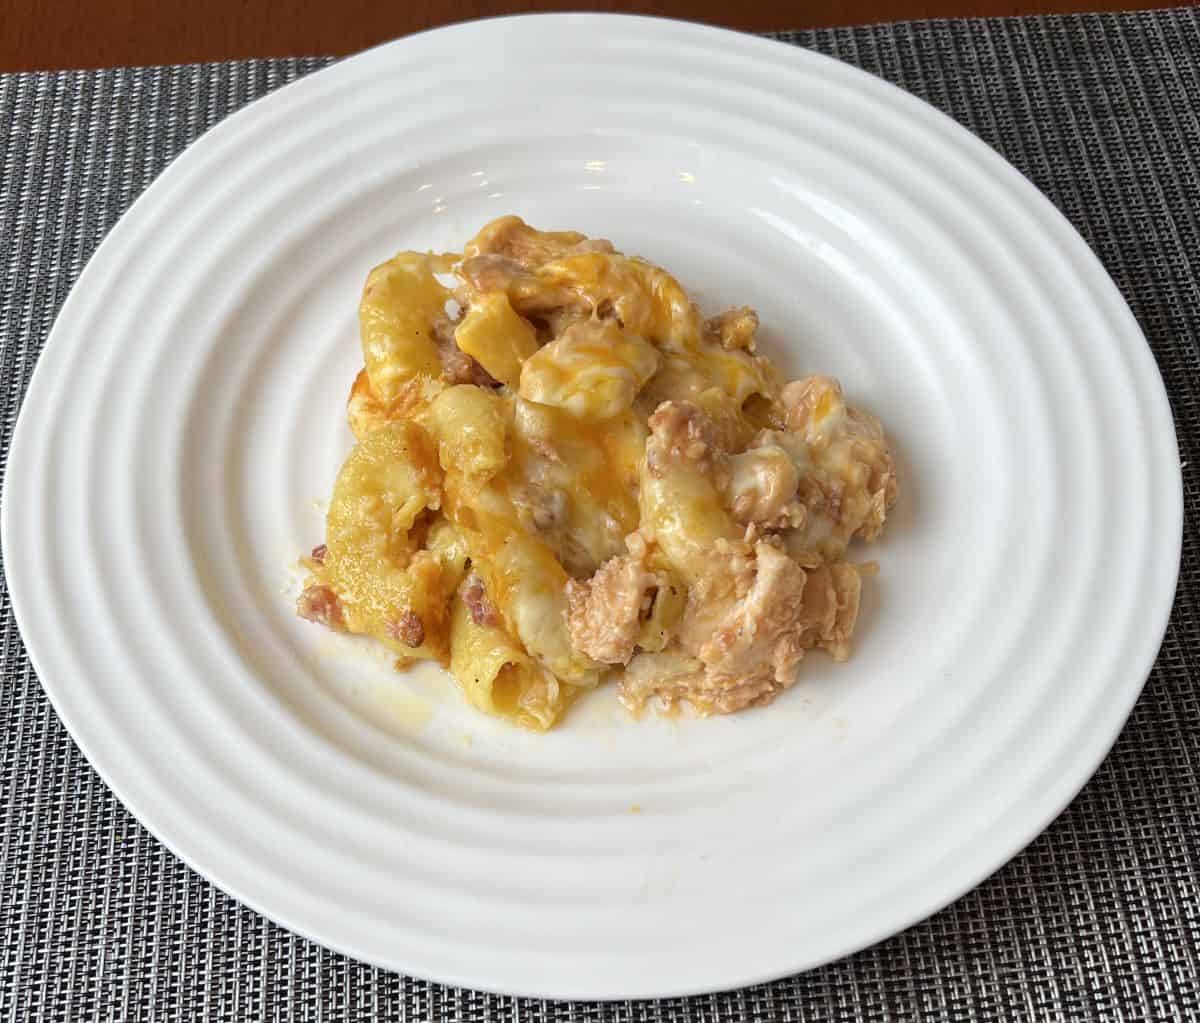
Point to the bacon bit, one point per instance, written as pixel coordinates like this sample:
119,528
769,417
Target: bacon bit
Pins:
319,553
475,597
408,628
321,605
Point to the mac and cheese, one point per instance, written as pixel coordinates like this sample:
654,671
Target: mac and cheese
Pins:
566,476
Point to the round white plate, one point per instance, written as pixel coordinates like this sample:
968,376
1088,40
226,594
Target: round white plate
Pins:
186,419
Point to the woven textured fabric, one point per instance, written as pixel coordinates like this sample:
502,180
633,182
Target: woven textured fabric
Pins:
1098,919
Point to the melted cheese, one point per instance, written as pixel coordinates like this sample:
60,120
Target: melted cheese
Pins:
493,334
594,370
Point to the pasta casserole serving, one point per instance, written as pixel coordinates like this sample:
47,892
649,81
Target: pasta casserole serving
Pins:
566,476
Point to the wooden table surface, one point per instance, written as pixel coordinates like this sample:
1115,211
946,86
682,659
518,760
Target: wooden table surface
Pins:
42,34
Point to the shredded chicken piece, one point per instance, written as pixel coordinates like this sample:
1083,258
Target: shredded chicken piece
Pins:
682,432
746,628
320,553
673,677
758,485
733,329
318,603
743,619
848,477
604,613
761,487
831,599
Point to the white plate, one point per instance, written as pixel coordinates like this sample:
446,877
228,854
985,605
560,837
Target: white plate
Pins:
187,416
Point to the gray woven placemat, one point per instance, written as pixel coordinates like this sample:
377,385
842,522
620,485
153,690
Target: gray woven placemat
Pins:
1098,919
